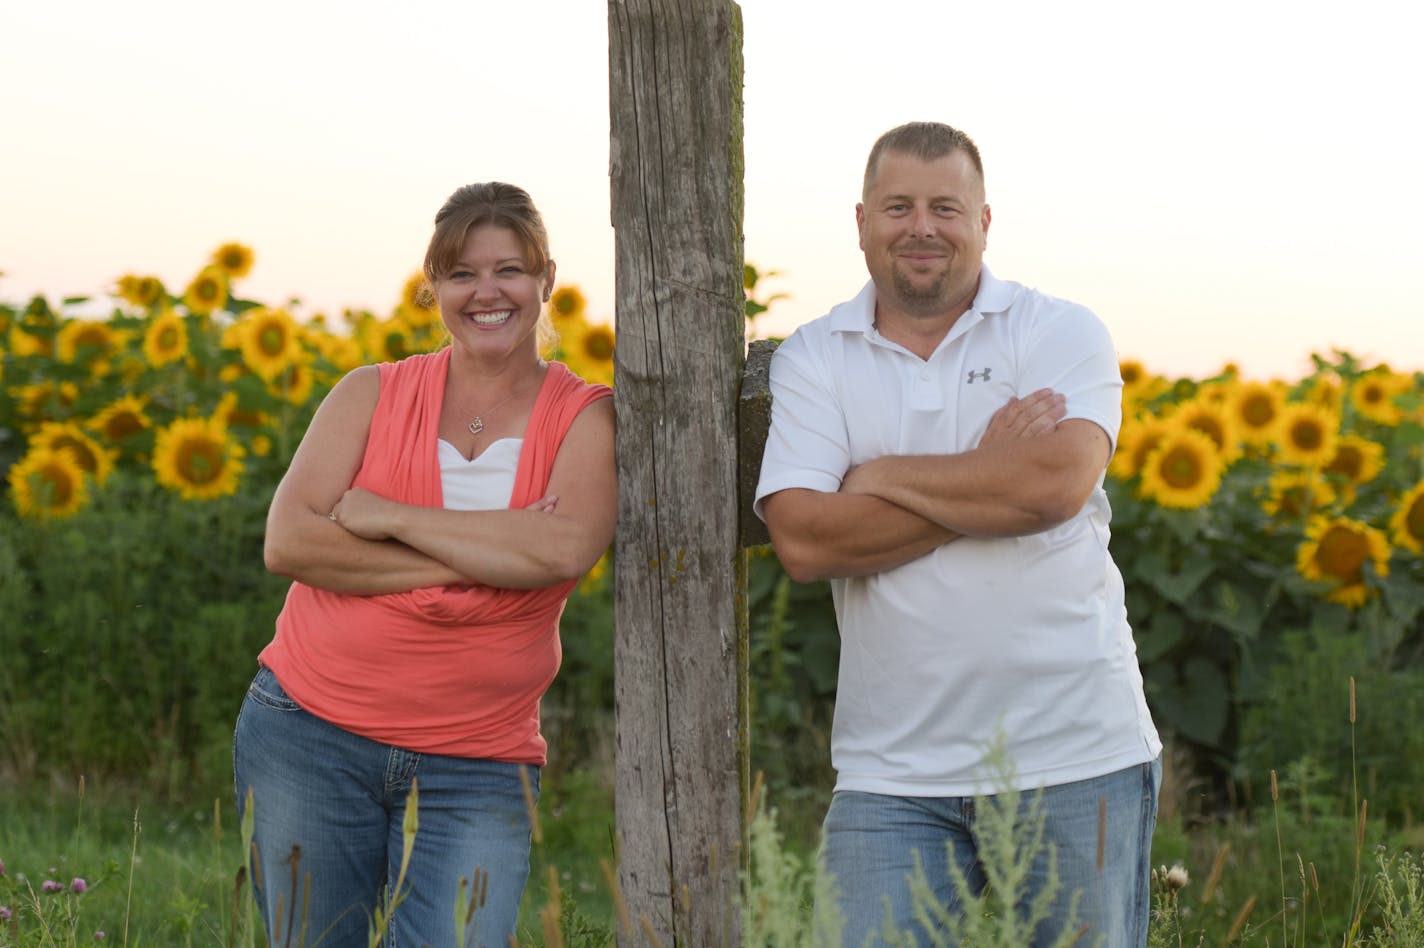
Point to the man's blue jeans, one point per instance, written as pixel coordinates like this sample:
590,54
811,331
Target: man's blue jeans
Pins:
871,842
341,799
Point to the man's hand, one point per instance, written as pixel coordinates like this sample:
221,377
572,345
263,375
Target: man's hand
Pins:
1027,417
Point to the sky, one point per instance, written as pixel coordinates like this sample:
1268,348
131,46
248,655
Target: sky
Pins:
1220,181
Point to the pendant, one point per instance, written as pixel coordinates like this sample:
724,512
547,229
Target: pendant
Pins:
477,425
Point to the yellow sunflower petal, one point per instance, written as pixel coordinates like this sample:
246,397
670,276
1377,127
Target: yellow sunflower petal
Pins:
1406,524
1183,471
1336,551
1307,434
46,483
196,458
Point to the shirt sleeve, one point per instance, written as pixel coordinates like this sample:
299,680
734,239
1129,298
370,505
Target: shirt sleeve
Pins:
1073,354
807,445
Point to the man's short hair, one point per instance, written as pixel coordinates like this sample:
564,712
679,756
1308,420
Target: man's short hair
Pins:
926,141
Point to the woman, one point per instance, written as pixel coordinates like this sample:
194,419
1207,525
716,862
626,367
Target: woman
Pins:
435,519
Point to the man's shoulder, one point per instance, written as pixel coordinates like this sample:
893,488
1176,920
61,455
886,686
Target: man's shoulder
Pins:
853,318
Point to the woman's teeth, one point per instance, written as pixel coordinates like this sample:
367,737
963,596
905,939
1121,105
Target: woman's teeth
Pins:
490,319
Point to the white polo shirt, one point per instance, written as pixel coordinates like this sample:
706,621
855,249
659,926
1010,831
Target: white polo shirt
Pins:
1025,637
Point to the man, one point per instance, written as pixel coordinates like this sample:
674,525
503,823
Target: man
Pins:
937,451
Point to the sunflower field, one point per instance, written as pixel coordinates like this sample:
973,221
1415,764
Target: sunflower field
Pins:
1270,536
138,452
1269,533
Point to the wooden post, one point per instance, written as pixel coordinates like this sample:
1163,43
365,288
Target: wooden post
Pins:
680,645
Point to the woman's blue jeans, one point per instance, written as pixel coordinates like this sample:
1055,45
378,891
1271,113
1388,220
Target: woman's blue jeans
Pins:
1100,831
328,809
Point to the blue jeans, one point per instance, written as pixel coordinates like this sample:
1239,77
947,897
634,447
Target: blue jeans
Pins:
341,799
872,841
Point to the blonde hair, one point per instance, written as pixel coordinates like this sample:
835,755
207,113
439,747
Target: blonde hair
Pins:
924,140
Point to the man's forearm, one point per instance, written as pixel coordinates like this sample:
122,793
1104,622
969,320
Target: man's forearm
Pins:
1009,488
820,535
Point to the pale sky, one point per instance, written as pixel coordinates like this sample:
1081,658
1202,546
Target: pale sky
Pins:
1217,180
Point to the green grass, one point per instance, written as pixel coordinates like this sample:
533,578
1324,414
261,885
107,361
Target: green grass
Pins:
167,875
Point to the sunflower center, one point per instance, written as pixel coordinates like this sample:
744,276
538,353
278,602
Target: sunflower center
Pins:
1414,520
1342,554
168,339
1348,462
58,485
1257,411
122,425
199,461
1307,435
272,340
1181,468
599,345
1295,501
82,454
1211,428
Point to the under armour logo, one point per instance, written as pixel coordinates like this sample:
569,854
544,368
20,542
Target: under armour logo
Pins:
981,376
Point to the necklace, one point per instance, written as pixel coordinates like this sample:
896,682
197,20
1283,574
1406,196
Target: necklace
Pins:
477,419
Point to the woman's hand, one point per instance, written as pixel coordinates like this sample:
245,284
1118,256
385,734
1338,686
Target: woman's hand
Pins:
372,517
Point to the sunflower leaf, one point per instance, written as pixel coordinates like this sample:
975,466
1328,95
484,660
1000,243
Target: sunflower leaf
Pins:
1180,584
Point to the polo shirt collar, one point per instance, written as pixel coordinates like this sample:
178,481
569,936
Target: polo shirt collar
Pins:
858,314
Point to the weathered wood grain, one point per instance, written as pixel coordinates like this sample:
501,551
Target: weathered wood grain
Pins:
675,85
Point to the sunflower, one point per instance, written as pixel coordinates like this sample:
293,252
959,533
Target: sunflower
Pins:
1298,495
1255,407
386,340
196,458
1373,395
343,352
47,483
1212,418
1407,522
231,415
165,340
122,419
92,457
28,344
207,292
418,300
1306,434
588,350
294,383
144,291
567,304
88,342
1336,551
1139,386
270,341
42,401
1326,392
233,260
1183,471
1357,460
1138,437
